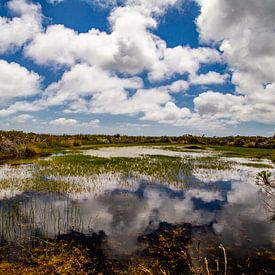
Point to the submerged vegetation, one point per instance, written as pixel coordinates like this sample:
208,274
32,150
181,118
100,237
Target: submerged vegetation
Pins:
78,213
265,180
162,168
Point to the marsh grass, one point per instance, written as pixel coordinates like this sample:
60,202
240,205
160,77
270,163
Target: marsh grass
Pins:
23,216
257,153
161,168
257,165
50,258
74,253
23,219
77,173
212,163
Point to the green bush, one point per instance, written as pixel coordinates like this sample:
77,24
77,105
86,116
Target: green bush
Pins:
31,151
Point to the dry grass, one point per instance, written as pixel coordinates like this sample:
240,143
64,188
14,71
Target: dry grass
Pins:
51,258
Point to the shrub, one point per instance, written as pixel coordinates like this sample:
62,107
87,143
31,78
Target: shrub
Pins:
31,151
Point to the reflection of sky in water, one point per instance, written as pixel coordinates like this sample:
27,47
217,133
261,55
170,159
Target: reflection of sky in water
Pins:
137,151
231,208
227,202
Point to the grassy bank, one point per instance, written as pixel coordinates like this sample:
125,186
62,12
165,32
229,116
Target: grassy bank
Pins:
257,153
14,144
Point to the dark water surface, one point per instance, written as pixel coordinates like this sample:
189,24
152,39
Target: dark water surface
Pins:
231,213
218,214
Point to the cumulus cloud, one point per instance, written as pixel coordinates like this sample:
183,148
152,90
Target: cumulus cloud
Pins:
93,60
64,122
129,48
177,86
17,81
63,46
169,113
213,102
209,78
152,6
244,31
182,60
92,90
22,118
22,27
102,69
22,106
84,80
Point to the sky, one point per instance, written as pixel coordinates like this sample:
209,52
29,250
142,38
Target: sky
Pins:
138,67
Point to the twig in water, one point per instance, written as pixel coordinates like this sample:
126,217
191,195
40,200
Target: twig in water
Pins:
217,264
225,258
198,249
206,265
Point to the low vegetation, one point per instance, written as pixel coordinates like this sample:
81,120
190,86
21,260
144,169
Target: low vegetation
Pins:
169,249
15,144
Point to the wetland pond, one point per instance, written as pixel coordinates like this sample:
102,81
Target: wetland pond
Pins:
181,210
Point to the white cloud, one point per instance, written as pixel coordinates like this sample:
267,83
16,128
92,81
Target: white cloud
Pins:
54,2
129,48
235,108
169,113
208,78
22,106
92,90
216,103
142,101
94,123
64,122
21,28
178,86
182,60
22,118
84,80
245,31
134,125
152,6
102,69
17,81
60,46
104,4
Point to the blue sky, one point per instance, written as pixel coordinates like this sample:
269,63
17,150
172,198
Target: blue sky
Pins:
138,67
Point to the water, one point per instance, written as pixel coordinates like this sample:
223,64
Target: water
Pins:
217,206
138,151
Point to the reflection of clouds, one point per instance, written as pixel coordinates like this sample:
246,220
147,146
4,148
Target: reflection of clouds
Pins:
204,195
96,185
174,210
136,151
9,193
123,215
10,178
126,208
243,222
125,212
235,173
8,172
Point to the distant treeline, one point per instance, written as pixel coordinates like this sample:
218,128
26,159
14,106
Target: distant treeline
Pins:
20,144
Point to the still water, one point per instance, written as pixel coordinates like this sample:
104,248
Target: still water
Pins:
217,207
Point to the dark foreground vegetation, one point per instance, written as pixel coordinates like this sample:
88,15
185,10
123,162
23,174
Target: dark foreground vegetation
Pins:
167,252
15,144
